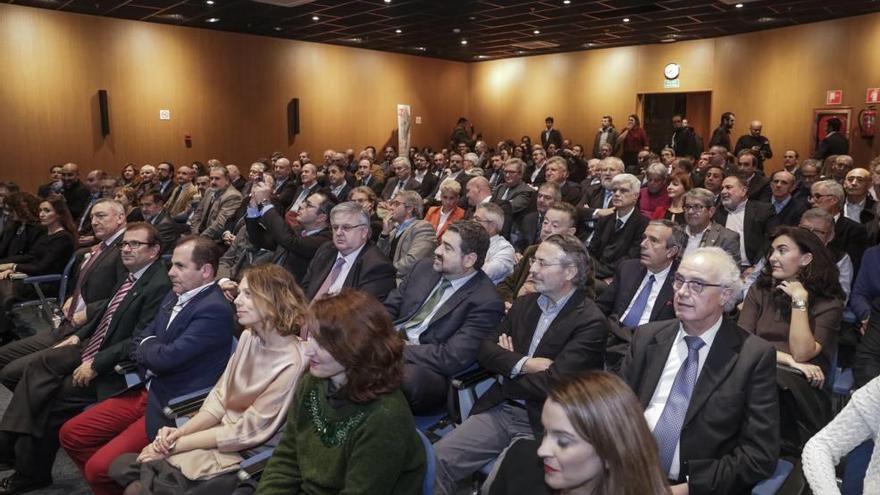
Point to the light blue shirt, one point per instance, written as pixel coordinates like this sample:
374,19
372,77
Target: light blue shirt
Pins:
549,312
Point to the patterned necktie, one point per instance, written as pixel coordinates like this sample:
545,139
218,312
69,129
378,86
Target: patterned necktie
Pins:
618,225
635,313
97,338
428,307
668,428
84,269
331,278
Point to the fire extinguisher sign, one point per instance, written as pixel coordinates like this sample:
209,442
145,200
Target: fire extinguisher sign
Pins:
873,95
834,97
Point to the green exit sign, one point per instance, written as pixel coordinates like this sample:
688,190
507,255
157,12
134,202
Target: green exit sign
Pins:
671,83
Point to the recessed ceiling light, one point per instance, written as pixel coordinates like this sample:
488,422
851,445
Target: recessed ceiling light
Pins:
766,19
739,5
482,57
420,48
536,31
387,1
209,2
212,19
316,18
626,19
668,40
472,18
464,42
278,28
589,45
398,31
566,2
456,30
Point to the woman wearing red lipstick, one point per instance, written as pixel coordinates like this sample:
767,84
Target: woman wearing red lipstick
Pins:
245,409
596,442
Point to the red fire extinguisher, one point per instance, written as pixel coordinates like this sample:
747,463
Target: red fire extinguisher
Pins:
867,122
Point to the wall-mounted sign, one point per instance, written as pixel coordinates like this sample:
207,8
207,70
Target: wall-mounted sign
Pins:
834,97
873,95
671,83
672,71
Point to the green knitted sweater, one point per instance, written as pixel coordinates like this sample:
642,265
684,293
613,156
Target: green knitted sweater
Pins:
355,449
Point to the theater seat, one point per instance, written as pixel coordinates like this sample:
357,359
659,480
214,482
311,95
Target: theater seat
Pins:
771,485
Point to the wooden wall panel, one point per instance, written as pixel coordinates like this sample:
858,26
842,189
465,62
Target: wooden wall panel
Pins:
228,91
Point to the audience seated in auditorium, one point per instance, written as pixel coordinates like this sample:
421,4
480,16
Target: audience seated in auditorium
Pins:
654,195
402,180
679,184
366,440
244,410
153,210
849,236
22,229
557,173
787,209
55,184
446,307
217,205
440,217
716,432
796,305
597,441
513,191
181,195
183,349
641,290
74,191
128,198
528,232
757,184
554,332
501,256
351,260
616,237
60,382
405,238
859,205
745,217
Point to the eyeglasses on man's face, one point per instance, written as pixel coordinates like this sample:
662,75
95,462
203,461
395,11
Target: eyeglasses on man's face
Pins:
346,228
695,286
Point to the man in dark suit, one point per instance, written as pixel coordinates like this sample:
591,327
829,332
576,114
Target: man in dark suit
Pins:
683,140
99,270
721,134
402,180
337,182
366,178
707,386
445,308
834,142
423,173
557,173
351,260
308,185
550,135
93,183
849,236
79,371
641,290
787,209
859,205
512,190
528,231
756,182
701,231
153,209
165,172
617,236
294,247
555,332
746,218
536,172
184,349
76,195
596,200
285,185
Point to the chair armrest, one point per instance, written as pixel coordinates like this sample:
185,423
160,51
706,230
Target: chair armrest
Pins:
790,369
185,404
125,367
43,279
470,377
254,465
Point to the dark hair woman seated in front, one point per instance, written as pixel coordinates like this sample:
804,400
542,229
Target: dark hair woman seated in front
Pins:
349,429
797,305
596,442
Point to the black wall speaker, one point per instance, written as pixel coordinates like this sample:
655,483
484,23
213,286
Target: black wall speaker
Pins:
104,105
293,117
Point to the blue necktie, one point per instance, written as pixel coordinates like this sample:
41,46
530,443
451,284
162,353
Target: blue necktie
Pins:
635,313
607,199
668,428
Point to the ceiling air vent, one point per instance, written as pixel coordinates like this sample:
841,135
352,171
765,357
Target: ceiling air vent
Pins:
286,3
535,45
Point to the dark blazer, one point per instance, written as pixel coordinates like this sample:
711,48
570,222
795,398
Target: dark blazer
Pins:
510,286
833,144
271,232
539,179
376,185
455,333
106,273
188,355
528,231
372,271
168,232
614,300
790,214
14,243
49,254
575,341
411,185
608,248
343,193
554,136
77,197
134,313
428,184
730,437
721,236
755,220
283,196
759,188
519,198
852,238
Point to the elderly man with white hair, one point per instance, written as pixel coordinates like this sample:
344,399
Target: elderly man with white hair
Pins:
501,257
617,236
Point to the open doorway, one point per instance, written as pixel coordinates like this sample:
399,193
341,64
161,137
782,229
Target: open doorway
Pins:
657,110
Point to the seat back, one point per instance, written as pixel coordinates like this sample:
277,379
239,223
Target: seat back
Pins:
431,464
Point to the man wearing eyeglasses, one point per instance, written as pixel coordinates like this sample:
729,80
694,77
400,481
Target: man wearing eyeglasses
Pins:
707,386
699,208
849,236
405,239
79,371
351,260
616,237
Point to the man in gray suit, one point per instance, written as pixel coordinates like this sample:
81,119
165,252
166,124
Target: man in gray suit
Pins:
699,208
220,202
405,239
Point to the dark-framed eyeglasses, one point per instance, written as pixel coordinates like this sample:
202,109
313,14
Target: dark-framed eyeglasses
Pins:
695,286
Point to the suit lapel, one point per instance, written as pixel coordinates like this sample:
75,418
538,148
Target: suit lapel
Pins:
456,299
664,295
574,302
524,340
656,354
720,361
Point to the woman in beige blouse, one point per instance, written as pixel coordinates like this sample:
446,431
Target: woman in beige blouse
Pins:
246,408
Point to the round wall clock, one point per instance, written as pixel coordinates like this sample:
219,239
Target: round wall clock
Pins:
671,71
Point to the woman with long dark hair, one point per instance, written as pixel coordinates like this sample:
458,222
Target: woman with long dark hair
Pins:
634,139
596,442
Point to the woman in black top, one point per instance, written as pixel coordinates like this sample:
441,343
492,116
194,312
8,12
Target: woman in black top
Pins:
23,229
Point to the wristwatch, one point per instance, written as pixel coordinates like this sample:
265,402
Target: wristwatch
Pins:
799,304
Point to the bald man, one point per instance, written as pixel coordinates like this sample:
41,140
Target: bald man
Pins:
74,191
754,141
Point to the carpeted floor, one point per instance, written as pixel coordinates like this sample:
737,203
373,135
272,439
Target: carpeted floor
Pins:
68,480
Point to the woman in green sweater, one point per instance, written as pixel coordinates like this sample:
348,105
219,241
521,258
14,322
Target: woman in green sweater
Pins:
349,429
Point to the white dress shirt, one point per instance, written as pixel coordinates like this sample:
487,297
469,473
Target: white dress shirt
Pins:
659,280
350,258
500,259
694,240
677,355
736,222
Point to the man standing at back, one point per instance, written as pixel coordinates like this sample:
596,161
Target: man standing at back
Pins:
708,387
